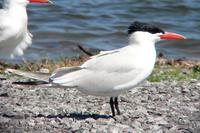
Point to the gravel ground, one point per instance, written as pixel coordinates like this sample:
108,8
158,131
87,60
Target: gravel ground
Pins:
164,107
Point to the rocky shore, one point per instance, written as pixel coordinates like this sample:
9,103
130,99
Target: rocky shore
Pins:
164,107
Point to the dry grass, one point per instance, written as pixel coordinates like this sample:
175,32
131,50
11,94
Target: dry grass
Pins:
165,69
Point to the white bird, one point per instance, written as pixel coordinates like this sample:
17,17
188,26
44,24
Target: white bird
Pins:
114,72
14,34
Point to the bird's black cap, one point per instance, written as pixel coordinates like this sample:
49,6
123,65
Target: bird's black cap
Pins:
139,26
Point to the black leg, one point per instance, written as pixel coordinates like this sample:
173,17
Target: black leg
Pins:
112,106
116,105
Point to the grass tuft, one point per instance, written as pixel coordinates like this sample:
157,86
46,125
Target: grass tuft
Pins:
165,69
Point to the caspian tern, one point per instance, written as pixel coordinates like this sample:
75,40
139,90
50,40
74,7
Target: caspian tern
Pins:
114,72
14,34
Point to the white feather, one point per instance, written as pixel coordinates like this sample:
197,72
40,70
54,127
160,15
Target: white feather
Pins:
113,72
14,35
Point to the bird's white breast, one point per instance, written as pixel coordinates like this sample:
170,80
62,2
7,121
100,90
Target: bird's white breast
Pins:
14,33
116,73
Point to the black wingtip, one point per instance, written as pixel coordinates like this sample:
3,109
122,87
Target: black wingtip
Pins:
85,51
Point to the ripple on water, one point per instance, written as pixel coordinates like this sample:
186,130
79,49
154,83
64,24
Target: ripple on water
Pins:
103,25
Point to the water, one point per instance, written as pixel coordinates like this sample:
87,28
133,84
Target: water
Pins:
102,24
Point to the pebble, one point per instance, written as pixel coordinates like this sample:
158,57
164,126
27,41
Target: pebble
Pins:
152,107
4,94
44,70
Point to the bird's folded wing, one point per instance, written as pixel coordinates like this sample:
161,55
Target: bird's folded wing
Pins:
38,76
64,70
110,61
66,76
103,53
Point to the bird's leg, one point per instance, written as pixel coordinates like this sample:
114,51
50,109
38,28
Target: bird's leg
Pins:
116,105
112,106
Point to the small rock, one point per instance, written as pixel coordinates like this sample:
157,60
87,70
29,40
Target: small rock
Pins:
90,120
4,120
197,130
44,70
31,123
4,94
123,99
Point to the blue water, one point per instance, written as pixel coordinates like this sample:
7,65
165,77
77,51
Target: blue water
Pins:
102,24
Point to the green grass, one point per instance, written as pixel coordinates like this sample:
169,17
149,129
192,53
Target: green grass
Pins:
170,70
171,73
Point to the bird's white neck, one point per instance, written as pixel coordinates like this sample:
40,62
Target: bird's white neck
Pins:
142,38
143,46
16,10
10,4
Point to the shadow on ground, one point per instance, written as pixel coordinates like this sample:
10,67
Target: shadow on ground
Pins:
77,116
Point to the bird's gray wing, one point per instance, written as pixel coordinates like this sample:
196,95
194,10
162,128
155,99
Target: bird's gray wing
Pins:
38,76
66,76
103,53
62,71
111,61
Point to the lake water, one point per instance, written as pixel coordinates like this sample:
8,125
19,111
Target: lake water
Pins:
102,24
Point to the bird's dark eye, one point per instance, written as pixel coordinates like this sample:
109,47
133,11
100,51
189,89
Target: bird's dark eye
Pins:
138,26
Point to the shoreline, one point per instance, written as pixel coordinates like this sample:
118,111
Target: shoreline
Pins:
78,60
165,69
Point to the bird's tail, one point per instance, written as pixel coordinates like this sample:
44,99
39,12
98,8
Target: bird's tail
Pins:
37,76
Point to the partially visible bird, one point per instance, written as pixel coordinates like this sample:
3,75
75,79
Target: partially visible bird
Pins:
114,72
14,34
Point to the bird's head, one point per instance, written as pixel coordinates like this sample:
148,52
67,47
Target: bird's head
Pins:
143,32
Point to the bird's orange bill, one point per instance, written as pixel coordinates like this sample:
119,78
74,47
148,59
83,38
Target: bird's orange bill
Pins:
39,1
171,35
